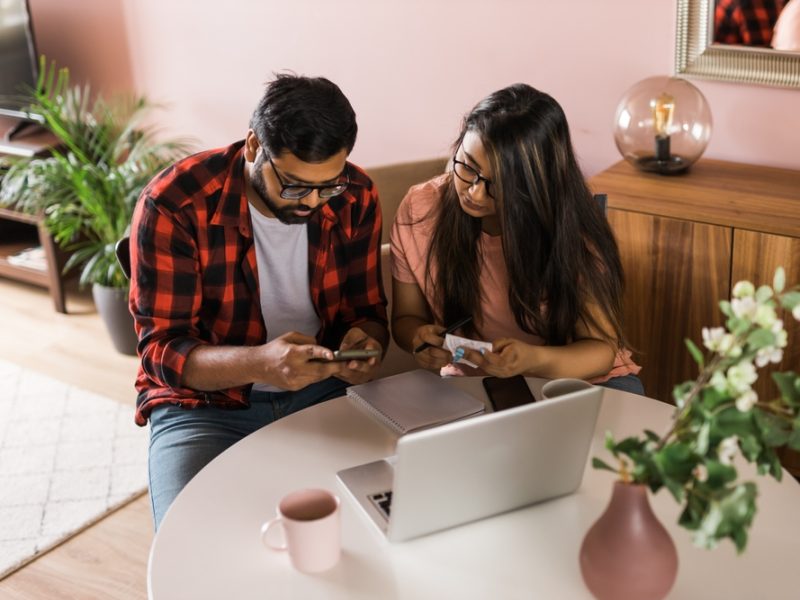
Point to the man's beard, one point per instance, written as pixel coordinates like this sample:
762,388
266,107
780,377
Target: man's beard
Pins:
285,214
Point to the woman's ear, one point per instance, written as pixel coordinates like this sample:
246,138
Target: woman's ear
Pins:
251,146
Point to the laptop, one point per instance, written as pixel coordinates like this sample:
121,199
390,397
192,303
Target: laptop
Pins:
472,469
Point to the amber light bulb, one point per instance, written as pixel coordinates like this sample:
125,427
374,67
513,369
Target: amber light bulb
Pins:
663,108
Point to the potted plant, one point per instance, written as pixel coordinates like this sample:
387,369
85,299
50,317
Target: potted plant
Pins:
88,186
717,417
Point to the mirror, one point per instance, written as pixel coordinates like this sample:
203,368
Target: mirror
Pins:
697,56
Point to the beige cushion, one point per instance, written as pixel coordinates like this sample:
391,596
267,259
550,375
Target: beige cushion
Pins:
393,182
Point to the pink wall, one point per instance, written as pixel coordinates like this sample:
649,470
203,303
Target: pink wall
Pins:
410,68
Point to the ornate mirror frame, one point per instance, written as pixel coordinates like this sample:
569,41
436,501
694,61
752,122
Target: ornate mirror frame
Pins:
695,56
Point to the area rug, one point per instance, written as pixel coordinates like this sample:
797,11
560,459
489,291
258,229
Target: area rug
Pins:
67,458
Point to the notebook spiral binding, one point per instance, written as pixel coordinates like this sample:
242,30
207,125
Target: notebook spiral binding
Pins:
386,419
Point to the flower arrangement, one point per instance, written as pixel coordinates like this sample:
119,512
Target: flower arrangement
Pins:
719,415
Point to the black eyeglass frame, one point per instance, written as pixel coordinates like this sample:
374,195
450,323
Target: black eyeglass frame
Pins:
477,179
309,187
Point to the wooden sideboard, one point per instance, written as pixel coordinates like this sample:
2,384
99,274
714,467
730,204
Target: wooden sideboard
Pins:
684,241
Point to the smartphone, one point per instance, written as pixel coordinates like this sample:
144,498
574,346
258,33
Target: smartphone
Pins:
508,392
354,354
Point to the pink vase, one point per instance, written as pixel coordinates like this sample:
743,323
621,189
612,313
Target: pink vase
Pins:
627,553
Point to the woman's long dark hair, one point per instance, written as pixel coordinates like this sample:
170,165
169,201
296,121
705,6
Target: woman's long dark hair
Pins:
559,250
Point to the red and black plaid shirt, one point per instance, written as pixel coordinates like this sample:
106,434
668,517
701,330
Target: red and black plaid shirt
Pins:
746,22
194,277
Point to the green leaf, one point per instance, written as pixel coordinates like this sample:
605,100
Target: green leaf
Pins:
725,307
599,464
732,421
790,300
794,440
760,338
729,515
719,474
774,431
779,281
695,352
628,446
789,385
610,443
763,293
702,439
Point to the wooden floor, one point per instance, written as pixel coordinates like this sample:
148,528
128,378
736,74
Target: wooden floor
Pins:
109,559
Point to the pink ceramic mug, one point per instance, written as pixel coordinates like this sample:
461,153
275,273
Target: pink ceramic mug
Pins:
561,387
311,529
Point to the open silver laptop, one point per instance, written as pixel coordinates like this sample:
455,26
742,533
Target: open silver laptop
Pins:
471,469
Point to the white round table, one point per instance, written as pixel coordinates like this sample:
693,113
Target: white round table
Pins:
209,544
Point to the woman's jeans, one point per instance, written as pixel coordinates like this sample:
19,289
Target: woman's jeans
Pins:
625,383
183,441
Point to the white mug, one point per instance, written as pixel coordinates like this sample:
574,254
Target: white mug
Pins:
310,520
560,387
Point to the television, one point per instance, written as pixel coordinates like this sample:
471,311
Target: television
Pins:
19,63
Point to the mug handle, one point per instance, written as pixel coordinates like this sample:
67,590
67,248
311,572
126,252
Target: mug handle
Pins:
265,533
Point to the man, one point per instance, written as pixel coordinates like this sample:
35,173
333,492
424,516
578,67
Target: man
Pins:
249,264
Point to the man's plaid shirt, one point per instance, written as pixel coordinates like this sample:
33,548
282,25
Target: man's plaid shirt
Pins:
194,276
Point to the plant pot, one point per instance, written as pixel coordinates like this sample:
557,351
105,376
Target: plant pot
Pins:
112,304
627,553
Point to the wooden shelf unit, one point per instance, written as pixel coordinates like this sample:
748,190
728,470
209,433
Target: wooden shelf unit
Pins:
19,231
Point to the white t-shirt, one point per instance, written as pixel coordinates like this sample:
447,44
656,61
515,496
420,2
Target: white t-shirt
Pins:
282,263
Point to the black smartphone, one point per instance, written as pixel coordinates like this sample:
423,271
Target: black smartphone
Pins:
507,392
354,354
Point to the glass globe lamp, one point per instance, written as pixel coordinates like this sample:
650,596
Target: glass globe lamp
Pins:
662,125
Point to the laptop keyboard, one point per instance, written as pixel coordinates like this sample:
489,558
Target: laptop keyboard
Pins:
383,502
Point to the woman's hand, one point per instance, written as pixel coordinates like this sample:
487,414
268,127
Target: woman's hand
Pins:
508,357
433,357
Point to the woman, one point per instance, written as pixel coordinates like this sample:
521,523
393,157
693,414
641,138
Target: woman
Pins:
512,236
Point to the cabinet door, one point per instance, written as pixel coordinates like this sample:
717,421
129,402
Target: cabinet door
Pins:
676,272
755,258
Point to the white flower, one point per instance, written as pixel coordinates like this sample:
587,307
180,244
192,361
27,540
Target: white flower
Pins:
712,337
741,376
744,308
781,338
767,355
718,340
796,312
729,347
719,382
746,401
701,472
765,316
727,449
743,289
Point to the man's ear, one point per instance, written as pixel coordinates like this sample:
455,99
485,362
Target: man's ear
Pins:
251,146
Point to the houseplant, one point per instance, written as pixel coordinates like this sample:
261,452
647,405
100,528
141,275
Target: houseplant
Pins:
717,417
88,186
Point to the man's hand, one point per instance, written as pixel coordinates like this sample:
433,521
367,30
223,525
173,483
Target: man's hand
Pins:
433,357
358,371
287,361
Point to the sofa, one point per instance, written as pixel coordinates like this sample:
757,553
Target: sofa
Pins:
393,182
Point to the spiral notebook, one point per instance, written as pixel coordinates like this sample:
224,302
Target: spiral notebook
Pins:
414,400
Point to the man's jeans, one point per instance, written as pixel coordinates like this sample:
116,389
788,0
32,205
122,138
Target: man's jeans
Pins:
183,441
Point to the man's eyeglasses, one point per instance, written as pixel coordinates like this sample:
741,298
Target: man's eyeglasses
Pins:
296,191
469,175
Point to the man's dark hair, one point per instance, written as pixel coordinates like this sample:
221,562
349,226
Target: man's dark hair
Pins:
308,116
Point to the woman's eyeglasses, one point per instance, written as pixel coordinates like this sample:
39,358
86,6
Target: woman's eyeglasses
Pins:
469,175
296,191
